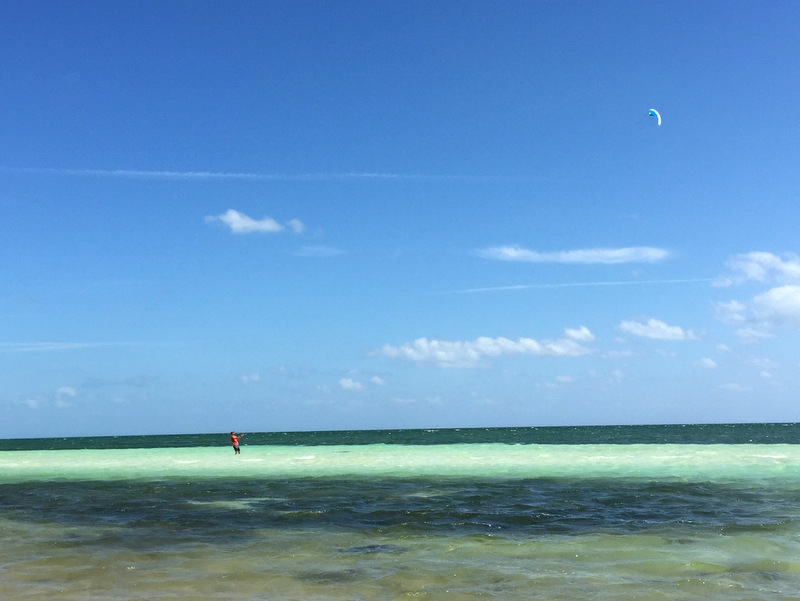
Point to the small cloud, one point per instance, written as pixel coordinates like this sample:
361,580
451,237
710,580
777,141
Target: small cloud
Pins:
707,363
239,223
565,379
350,384
753,333
403,400
657,329
582,334
63,394
378,381
634,254
32,403
766,375
735,388
320,252
297,226
762,362
617,354
248,378
730,311
470,353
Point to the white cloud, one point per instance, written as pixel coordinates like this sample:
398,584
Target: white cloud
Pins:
446,353
582,334
707,363
730,311
779,307
350,384
620,354
403,400
239,223
63,394
297,226
248,378
657,329
753,333
634,254
378,381
735,388
762,362
761,267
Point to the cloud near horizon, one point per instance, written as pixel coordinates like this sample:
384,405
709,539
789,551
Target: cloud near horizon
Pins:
657,330
607,256
239,223
470,353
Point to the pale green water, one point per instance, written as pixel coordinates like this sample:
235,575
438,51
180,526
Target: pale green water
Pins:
383,522
684,462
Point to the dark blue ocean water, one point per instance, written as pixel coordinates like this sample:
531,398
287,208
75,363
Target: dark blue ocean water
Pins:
788,433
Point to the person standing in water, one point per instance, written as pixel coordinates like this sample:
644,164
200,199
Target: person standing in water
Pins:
235,442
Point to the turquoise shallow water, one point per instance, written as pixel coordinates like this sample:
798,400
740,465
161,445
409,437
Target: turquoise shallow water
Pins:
371,520
718,463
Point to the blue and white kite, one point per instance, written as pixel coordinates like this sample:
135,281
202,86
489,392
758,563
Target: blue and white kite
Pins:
655,113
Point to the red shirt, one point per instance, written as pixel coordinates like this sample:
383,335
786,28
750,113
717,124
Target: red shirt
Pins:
234,440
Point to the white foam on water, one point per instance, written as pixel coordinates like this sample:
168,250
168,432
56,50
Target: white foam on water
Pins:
679,462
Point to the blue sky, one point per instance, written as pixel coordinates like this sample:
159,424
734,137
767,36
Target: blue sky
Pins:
331,215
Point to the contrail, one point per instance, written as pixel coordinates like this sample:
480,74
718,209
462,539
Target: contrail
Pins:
234,175
575,285
199,175
243,175
28,347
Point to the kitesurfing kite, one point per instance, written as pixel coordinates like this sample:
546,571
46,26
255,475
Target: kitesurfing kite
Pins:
655,113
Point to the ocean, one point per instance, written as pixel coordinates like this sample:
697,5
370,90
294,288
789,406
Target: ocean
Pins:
657,513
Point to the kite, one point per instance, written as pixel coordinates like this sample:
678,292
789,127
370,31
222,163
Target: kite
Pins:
655,113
